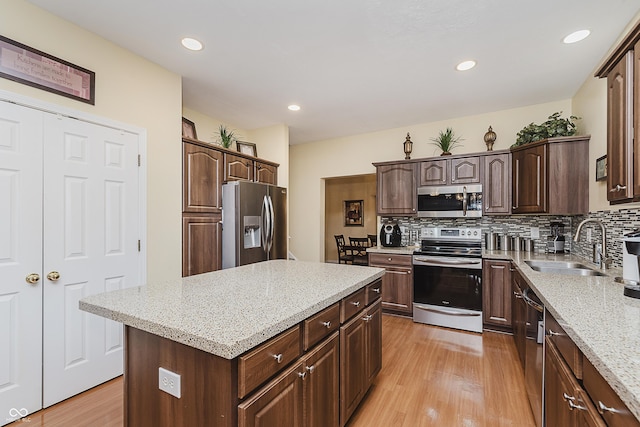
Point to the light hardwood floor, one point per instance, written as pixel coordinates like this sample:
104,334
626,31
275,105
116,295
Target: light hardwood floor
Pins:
430,377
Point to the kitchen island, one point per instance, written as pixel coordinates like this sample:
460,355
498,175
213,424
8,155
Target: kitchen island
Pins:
240,335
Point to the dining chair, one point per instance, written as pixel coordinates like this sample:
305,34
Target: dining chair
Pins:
345,256
373,239
360,245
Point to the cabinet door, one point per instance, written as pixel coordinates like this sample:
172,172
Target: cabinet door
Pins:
201,244
619,131
277,404
265,173
237,168
496,292
519,316
397,289
396,189
353,375
636,120
465,170
560,389
373,320
202,175
496,189
434,172
322,384
530,180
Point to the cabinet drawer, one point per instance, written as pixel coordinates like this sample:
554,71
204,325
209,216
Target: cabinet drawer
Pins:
262,363
567,348
603,396
390,260
321,325
352,304
373,291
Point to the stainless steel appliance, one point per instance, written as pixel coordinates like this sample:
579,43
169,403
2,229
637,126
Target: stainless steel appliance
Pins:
447,278
390,234
555,241
450,201
534,353
254,223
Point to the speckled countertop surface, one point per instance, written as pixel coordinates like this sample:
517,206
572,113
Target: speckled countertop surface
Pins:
230,311
400,250
594,312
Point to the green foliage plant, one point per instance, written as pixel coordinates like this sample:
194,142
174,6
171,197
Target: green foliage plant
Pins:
226,137
446,141
555,126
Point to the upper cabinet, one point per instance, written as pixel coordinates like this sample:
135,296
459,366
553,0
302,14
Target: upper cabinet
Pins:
496,184
202,172
622,71
265,173
396,188
557,164
462,170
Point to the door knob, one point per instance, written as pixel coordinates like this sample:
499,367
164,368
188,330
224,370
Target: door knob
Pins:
53,276
32,278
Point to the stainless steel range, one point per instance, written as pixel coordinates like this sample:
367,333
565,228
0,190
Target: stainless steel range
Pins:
447,278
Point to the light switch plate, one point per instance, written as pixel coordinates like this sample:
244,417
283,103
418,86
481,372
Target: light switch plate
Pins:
535,232
169,382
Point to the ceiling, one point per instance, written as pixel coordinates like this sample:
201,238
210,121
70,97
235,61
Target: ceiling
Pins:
357,66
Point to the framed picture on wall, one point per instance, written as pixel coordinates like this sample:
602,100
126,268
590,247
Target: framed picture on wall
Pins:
353,213
188,129
601,168
247,148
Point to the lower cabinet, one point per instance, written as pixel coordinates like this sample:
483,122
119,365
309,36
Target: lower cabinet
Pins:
201,243
322,384
496,293
360,357
397,282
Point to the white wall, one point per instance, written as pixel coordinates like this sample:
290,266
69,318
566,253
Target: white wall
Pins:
131,90
311,163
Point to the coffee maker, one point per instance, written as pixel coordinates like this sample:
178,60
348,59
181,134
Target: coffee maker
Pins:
555,241
631,263
390,234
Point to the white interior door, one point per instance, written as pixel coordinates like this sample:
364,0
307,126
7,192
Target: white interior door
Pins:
20,255
91,228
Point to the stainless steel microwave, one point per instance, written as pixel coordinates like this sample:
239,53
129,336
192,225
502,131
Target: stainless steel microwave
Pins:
451,201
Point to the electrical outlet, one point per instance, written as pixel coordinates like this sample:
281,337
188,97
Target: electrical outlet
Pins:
535,232
169,382
589,235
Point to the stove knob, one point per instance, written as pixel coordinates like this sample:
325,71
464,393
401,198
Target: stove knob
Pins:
462,233
475,233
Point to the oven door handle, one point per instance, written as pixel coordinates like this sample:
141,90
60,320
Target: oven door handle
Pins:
427,261
464,201
449,312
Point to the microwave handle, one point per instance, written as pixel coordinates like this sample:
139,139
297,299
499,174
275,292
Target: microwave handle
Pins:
464,201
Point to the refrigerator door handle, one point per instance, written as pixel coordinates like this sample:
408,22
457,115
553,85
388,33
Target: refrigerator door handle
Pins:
264,214
272,222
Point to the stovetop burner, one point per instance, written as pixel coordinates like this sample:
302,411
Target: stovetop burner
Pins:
465,242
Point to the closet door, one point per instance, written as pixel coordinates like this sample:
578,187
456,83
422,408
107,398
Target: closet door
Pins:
91,232
20,256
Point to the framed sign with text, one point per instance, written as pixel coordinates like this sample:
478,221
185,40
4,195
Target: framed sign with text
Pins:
32,67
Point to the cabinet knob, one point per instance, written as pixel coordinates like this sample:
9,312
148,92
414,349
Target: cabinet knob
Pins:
278,357
356,303
602,408
376,290
367,318
617,188
553,334
327,324
302,375
311,369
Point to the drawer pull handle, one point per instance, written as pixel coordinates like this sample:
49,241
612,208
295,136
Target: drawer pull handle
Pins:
553,334
356,303
602,408
617,188
302,375
376,290
573,406
517,295
311,369
327,324
367,318
278,357
568,398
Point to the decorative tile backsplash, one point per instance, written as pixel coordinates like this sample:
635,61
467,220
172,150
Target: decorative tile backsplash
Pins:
617,223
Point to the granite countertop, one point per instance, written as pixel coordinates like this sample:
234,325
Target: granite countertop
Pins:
594,312
228,312
398,250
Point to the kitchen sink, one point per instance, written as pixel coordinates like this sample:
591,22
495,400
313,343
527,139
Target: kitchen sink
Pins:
563,267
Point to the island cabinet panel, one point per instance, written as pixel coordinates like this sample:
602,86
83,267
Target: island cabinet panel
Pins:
496,293
322,384
374,291
396,189
263,362
321,325
207,382
277,404
352,304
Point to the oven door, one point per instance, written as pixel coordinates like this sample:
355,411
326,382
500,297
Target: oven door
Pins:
448,291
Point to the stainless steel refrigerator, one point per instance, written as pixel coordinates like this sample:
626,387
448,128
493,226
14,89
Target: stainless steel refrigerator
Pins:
254,223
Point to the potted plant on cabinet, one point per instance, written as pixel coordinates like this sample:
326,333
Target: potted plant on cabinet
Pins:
446,141
552,128
226,137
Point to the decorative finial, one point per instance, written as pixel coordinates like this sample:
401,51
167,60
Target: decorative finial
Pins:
490,138
408,145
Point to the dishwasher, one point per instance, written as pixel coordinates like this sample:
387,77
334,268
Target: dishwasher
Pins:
534,354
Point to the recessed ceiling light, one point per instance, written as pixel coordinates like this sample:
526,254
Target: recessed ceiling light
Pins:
465,65
576,36
294,107
191,44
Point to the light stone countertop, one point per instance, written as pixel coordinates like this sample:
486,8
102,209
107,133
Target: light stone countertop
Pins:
597,316
228,312
398,250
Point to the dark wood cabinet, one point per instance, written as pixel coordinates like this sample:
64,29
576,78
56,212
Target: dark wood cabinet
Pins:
202,174
496,293
237,168
266,173
322,384
561,164
360,357
397,282
396,188
519,315
496,188
201,240
460,170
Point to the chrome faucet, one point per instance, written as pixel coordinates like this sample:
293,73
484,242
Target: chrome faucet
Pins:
603,260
